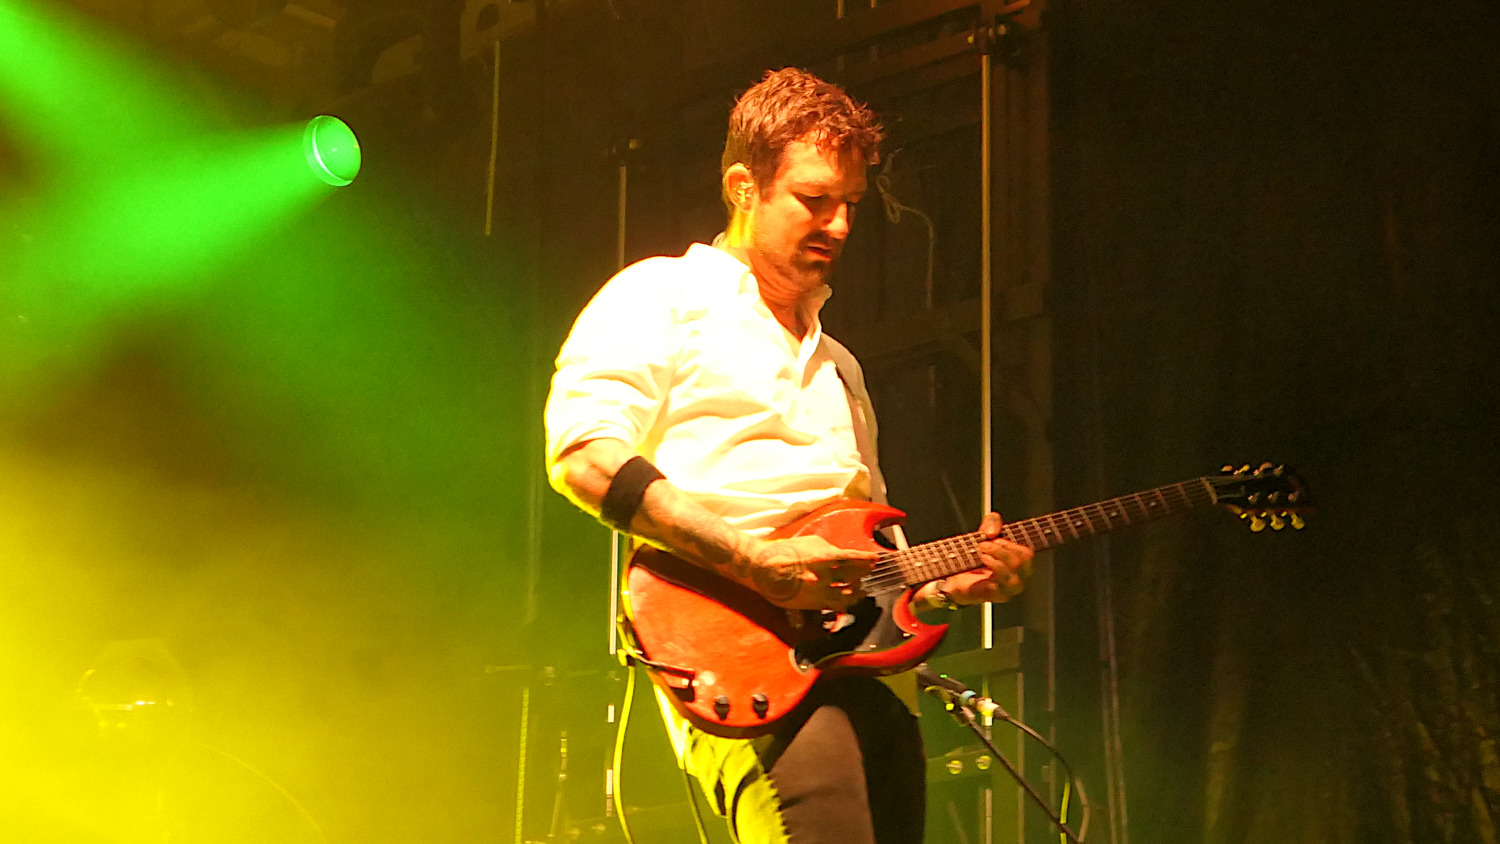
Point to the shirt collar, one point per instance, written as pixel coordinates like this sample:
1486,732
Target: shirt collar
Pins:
719,257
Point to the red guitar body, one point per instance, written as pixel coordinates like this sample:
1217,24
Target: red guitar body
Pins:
732,662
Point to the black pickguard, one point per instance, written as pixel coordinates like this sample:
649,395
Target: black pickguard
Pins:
872,629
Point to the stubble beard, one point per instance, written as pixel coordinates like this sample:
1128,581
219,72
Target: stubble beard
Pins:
805,270
815,270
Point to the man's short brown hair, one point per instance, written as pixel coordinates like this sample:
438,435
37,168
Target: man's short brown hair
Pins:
788,105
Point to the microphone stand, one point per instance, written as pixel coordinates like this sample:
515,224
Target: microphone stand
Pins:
961,701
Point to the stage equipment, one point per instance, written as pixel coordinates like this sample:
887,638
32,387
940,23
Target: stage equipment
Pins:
309,55
331,150
963,703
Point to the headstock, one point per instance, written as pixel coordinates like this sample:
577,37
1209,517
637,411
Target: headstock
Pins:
1266,496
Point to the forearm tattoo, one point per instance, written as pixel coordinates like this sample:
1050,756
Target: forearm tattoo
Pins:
708,538
700,535
779,573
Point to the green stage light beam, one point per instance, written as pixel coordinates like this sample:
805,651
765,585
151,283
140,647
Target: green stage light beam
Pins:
141,195
331,149
166,221
138,192
144,237
83,98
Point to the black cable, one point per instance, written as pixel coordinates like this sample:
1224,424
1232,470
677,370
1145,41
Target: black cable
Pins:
967,719
1083,800
961,702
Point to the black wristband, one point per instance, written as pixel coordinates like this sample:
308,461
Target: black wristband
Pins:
623,498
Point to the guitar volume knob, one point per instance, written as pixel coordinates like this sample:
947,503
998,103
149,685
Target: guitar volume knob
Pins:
721,706
760,703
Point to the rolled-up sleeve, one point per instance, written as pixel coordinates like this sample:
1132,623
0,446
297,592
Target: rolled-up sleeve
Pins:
615,368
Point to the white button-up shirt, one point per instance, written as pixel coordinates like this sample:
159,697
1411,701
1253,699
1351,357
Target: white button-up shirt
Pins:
682,360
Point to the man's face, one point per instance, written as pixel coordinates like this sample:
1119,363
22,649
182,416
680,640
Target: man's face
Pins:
798,227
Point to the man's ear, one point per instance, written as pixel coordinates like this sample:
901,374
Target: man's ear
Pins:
739,187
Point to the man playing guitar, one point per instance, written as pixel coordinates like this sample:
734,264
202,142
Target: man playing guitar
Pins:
697,406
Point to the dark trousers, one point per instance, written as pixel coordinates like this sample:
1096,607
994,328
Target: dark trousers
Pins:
848,769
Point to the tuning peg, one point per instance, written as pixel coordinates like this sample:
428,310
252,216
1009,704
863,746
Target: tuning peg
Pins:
1277,522
1297,522
1257,524
1244,470
1226,469
1253,499
1274,498
1293,496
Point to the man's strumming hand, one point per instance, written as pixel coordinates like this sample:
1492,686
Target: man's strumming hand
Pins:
808,572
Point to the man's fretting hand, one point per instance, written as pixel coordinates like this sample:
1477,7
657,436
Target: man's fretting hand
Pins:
1006,566
809,573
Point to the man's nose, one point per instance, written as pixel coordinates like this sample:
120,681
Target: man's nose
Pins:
838,224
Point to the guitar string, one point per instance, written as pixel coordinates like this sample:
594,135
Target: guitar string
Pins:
896,570
1042,533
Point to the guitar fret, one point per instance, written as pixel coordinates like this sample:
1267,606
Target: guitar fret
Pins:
950,556
1184,494
921,568
899,561
1161,498
1045,532
926,561
1038,539
1142,505
966,555
935,561
1208,491
1019,533
1058,522
1014,531
1144,501
1104,514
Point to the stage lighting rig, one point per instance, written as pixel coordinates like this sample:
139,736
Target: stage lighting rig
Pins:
331,150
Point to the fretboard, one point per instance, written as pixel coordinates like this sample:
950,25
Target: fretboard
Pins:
931,560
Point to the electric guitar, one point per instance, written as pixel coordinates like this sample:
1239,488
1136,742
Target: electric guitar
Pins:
733,663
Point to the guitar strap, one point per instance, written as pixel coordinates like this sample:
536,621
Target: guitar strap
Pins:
862,415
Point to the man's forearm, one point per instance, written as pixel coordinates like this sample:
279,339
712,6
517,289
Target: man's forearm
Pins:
670,519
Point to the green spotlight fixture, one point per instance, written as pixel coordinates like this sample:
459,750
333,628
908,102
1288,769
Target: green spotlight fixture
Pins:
331,149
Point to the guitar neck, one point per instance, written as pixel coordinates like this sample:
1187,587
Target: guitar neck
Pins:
931,560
